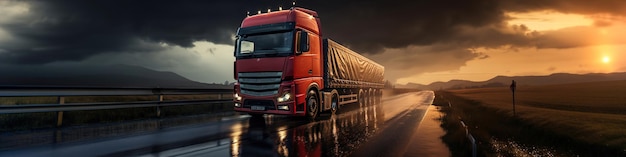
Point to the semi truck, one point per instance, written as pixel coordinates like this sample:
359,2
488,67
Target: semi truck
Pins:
283,65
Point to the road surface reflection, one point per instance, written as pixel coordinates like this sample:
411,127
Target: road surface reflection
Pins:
342,134
333,135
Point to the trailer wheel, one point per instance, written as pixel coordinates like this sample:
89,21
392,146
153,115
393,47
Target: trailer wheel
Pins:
374,97
379,96
370,97
334,104
361,97
312,105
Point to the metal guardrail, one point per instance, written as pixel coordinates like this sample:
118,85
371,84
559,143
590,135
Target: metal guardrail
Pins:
4,109
469,136
27,91
62,92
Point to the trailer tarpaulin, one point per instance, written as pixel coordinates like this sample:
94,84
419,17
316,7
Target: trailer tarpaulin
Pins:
345,68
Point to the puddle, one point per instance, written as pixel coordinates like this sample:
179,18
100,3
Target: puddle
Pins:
427,140
513,148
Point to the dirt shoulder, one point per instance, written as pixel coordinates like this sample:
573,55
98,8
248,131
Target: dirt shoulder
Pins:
498,133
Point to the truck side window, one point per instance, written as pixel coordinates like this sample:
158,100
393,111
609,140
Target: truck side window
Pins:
302,40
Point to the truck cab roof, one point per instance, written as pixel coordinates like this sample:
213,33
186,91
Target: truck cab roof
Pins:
304,18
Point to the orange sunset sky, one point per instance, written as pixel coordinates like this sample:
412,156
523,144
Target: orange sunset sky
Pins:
603,50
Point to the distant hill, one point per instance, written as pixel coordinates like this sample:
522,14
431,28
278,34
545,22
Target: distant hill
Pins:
503,81
96,76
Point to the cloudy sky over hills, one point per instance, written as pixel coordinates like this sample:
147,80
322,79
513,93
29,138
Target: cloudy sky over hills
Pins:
417,41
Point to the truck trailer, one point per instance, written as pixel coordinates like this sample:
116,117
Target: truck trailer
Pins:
284,66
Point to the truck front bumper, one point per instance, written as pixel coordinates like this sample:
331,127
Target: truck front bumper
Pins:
271,109
279,112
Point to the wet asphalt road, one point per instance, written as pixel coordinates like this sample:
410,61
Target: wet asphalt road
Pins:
379,130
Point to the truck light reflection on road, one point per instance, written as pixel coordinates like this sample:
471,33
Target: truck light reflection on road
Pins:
335,135
235,135
282,147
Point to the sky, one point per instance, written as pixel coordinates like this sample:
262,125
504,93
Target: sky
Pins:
419,41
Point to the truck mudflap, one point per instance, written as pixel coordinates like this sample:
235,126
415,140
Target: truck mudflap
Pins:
327,100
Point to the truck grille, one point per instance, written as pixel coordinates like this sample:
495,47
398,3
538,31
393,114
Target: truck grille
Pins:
259,83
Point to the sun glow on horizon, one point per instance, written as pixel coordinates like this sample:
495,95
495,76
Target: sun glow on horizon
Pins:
606,59
580,60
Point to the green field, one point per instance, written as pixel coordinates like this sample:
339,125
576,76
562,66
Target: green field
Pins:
593,113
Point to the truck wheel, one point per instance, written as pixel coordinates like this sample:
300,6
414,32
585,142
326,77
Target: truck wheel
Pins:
312,105
334,104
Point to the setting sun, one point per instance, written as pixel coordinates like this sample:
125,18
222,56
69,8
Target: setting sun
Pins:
606,59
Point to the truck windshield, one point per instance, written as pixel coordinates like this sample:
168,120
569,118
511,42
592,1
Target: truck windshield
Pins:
263,45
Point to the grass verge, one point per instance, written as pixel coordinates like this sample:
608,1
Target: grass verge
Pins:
498,133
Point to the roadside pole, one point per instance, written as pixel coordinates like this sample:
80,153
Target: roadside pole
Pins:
513,86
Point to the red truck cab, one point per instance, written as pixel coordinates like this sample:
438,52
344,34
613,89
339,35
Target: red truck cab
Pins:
277,62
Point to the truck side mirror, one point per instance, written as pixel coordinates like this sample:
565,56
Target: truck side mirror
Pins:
236,46
303,42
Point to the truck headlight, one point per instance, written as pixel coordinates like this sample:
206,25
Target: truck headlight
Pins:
285,97
237,97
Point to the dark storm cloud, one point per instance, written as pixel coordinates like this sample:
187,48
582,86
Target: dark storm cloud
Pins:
72,30
370,26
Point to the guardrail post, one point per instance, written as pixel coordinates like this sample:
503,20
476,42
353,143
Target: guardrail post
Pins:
60,100
465,127
473,142
470,138
158,108
220,96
